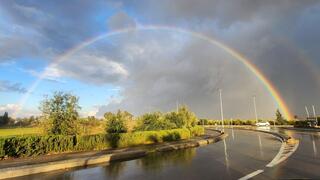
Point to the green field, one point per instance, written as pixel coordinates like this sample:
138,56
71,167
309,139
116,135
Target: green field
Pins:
19,131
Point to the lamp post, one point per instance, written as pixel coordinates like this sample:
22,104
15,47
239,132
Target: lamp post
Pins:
314,114
221,109
255,108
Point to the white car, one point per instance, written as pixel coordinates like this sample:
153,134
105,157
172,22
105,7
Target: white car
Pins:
263,124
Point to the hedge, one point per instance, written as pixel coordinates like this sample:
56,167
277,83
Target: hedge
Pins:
305,124
34,145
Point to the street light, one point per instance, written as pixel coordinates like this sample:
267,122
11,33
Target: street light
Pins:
255,108
314,114
221,109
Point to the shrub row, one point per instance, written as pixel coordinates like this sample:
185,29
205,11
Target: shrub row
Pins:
226,122
239,122
304,124
34,145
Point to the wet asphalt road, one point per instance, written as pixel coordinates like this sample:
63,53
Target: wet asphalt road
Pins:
303,164
238,155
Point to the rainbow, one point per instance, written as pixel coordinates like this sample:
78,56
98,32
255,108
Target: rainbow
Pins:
238,56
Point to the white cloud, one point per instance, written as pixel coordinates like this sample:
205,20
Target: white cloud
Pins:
90,69
10,108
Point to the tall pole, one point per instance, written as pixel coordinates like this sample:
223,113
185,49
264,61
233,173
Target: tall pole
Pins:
255,108
177,106
314,114
221,109
308,115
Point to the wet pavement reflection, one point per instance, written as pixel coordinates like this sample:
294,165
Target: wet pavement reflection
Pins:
239,154
304,163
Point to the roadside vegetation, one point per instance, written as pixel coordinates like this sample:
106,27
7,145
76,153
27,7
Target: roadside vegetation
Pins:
60,129
279,120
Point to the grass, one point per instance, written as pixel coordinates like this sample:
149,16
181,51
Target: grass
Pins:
88,130
19,131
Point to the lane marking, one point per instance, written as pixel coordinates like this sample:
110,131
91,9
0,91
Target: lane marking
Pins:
251,175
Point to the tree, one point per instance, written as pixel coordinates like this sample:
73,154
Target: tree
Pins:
117,122
279,118
184,118
154,121
61,113
4,120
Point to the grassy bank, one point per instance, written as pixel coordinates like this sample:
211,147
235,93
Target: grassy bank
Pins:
34,145
19,131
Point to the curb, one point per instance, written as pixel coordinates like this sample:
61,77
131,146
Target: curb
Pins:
24,170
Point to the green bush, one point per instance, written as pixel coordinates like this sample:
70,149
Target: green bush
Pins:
154,121
2,152
149,137
117,122
24,146
196,131
34,145
183,118
304,124
92,142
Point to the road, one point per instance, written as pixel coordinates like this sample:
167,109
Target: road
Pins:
303,164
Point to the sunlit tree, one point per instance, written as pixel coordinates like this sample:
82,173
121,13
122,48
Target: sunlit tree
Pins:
60,113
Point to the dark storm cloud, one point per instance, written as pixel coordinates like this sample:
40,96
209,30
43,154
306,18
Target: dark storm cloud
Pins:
7,86
224,12
280,37
188,71
54,25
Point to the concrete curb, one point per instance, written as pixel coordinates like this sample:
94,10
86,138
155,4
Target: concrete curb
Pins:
17,171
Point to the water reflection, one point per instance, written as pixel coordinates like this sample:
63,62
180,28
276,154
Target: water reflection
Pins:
114,170
153,162
226,154
260,145
264,128
314,147
157,161
232,132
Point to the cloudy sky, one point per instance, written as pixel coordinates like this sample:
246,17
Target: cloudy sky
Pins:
149,70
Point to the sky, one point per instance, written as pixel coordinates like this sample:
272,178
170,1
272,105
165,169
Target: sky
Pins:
44,47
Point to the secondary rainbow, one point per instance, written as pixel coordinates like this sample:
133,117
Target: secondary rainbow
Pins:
238,56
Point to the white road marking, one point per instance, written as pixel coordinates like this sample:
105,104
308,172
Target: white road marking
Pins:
251,175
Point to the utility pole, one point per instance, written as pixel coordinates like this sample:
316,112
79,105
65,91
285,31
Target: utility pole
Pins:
308,115
255,108
314,114
221,109
177,106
